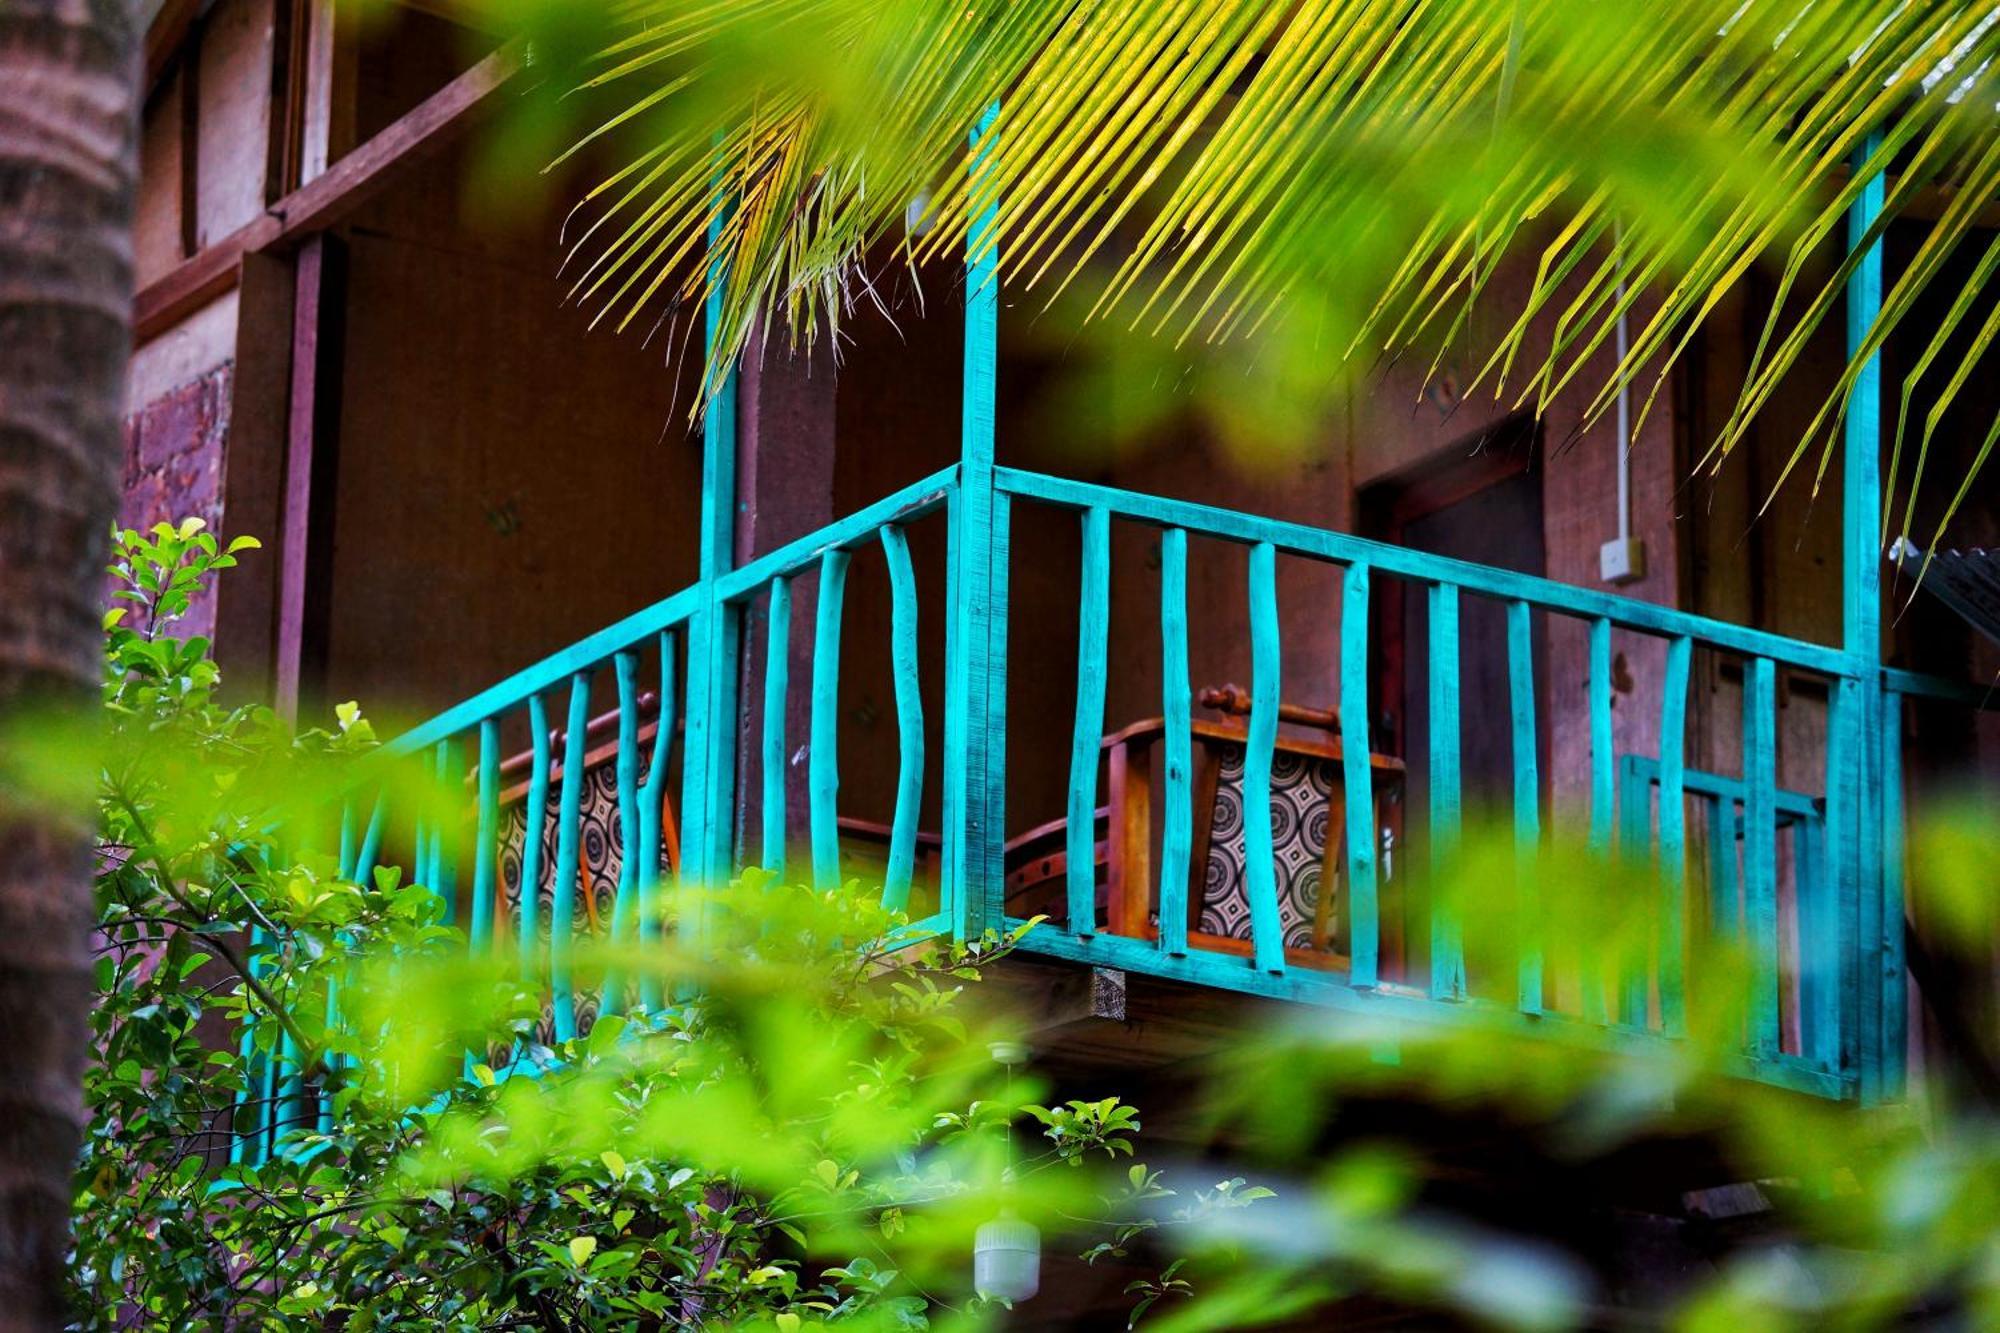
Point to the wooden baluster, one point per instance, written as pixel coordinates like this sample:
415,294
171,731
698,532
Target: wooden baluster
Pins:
347,836
1177,835
1602,801
486,847
1093,622
348,850
1831,981
626,667
569,847
363,870
420,839
1760,850
777,684
1260,876
652,813
1364,919
246,1145
1673,838
1635,847
1447,948
909,719
1895,1014
443,877
535,814
823,772
1527,802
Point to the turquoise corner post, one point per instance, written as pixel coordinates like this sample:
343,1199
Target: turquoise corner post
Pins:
976,624
714,633
1872,968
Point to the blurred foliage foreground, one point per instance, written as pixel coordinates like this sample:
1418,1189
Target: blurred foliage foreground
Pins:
815,1127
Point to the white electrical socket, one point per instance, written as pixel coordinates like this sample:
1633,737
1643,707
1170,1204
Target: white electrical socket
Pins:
1621,560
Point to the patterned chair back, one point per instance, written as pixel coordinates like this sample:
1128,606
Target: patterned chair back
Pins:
1305,796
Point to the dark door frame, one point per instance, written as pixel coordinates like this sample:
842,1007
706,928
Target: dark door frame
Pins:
1384,508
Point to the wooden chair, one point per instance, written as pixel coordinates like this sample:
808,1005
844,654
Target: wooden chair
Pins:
1308,807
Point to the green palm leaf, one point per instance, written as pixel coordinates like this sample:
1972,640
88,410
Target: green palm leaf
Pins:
1314,185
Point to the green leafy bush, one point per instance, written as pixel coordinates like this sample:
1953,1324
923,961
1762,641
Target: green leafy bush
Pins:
810,1133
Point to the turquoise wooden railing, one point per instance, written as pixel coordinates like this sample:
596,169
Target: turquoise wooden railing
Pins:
1850,1039
1807,1029
1652,1007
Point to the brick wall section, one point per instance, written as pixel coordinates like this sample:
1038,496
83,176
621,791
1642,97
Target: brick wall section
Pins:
173,464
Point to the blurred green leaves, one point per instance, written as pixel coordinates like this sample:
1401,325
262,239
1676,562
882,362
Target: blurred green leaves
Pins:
814,1128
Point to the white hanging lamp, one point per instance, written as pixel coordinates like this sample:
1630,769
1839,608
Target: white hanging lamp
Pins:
1007,1259
1007,1252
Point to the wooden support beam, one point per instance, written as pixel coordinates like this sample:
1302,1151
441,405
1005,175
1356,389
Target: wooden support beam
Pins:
348,183
311,422
254,480
325,108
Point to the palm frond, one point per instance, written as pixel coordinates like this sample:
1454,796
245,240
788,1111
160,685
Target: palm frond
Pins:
1321,181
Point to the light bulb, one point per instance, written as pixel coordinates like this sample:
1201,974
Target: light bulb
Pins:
1007,1259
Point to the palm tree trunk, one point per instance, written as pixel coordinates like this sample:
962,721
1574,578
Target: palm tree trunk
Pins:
68,73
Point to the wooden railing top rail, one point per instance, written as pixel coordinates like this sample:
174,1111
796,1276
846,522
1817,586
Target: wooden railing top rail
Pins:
1344,548
858,529
555,669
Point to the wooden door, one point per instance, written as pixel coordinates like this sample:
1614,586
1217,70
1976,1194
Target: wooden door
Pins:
1481,501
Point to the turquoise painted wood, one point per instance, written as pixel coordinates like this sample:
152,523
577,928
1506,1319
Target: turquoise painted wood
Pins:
1327,545
486,845
1673,838
1818,899
420,852
1839,1002
777,690
347,837
1176,700
1635,846
1872,980
1260,879
536,814
1311,986
1447,946
852,533
976,622
442,876
1855,881
652,813
552,670
714,632
823,763
909,720
1093,632
1364,930
569,843
1602,801
1712,788
625,906
1527,801
1269,973
1895,962
249,1122
1760,849
363,871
